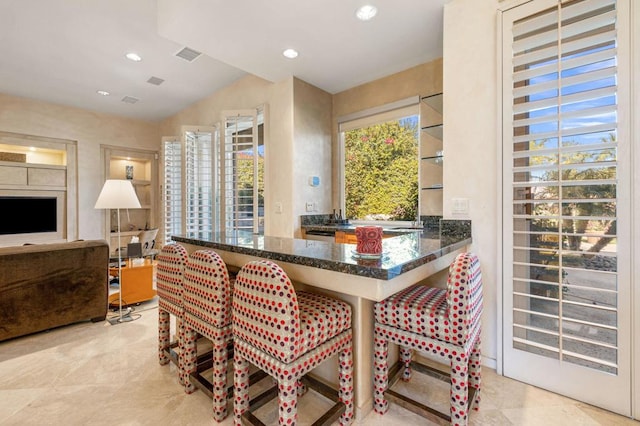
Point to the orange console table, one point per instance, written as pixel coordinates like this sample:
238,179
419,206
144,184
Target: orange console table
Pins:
136,283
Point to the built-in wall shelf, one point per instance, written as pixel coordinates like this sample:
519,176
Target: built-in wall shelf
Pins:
431,154
435,186
436,159
141,169
38,166
435,131
434,102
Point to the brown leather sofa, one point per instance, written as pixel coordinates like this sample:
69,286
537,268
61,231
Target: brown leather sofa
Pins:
43,286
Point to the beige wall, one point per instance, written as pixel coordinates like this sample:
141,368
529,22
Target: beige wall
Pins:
421,80
89,130
471,139
246,93
311,149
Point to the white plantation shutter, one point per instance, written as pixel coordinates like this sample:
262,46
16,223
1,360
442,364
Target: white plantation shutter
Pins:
199,183
242,203
172,188
564,179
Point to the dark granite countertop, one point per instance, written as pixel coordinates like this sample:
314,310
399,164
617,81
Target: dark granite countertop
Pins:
401,253
350,228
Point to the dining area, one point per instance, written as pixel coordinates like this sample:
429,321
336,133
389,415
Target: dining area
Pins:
319,316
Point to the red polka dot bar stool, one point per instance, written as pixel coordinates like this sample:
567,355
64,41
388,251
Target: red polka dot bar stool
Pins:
207,305
169,269
286,334
444,325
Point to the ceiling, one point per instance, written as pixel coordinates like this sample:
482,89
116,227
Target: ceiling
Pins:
64,51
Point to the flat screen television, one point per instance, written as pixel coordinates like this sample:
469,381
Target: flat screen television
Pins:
28,215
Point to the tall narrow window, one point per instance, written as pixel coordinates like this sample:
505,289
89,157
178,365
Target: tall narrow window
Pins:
199,173
243,170
172,188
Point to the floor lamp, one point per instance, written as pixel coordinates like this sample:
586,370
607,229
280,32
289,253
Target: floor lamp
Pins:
118,194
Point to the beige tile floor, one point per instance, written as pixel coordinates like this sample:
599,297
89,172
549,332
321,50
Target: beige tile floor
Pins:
98,374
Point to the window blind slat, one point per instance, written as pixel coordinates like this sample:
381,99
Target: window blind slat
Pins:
586,77
567,99
567,64
580,113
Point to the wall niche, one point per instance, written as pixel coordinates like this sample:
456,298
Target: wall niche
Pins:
39,167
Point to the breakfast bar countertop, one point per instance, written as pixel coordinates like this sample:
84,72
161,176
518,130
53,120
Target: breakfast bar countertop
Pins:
333,269
400,254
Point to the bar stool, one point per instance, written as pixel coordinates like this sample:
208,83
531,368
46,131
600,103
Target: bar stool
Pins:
207,312
169,270
286,334
444,324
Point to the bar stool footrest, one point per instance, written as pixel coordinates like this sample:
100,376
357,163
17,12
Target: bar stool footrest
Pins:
202,383
329,417
417,407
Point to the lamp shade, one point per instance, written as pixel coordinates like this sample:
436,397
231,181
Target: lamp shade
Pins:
117,194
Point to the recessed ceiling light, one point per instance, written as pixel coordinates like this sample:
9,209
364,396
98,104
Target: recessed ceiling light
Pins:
32,148
103,92
290,53
134,57
366,12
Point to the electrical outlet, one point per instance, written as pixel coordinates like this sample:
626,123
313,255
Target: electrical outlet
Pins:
278,206
309,206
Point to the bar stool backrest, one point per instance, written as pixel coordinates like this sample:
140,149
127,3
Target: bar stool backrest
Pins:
169,270
207,288
464,297
265,310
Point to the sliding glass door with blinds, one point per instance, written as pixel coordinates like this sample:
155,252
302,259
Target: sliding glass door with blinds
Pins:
566,180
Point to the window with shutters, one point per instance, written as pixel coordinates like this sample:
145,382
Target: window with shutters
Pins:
189,183
172,188
243,171
199,183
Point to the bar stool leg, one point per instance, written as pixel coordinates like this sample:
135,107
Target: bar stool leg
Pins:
475,372
163,336
381,373
189,356
405,359
459,390
240,388
345,393
220,379
288,402
181,356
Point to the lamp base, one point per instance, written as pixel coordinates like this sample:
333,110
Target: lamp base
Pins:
126,316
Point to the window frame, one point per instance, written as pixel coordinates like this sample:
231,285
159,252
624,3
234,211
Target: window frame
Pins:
365,115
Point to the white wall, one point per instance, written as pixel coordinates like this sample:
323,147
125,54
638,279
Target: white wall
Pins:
471,142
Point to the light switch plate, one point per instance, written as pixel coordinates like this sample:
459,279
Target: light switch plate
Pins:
460,206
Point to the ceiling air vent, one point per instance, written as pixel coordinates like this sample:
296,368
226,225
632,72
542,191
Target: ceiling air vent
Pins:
188,54
130,100
155,80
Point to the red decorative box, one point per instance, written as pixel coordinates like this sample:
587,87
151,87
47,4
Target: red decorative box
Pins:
369,239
